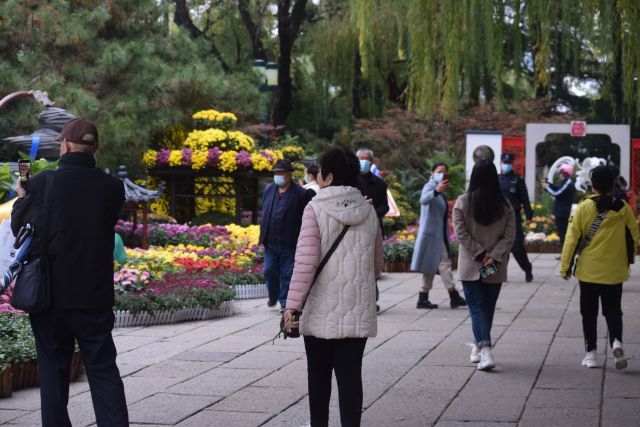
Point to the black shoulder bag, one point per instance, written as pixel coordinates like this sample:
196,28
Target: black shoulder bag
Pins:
31,292
284,326
590,233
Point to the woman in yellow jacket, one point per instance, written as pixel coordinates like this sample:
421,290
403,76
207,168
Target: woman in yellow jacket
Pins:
603,262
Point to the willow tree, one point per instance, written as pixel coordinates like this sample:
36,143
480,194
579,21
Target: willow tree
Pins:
461,51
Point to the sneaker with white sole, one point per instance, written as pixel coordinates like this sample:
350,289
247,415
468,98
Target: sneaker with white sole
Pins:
618,355
475,353
590,360
486,360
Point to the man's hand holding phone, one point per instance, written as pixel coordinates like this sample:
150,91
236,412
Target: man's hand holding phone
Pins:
24,170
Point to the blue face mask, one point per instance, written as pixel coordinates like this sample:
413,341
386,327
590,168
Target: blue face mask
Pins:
279,180
437,177
506,168
365,166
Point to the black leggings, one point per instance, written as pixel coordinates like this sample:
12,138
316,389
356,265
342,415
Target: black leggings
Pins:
611,297
345,357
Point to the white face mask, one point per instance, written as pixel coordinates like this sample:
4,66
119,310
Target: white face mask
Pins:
279,180
437,177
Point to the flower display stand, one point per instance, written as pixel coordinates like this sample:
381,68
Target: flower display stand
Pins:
126,319
24,374
251,291
397,267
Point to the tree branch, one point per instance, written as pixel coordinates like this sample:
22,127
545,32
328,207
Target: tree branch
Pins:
258,49
182,19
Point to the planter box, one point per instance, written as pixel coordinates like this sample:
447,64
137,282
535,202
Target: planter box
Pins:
125,319
542,248
24,374
251,291
397,267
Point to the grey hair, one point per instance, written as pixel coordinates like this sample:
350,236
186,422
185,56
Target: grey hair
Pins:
365,151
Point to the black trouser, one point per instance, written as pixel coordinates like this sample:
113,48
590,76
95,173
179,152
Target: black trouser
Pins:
562,222
345,357
518,246
611,297
55,331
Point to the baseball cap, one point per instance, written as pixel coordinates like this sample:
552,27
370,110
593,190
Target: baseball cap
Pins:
283,165
79,131
507,158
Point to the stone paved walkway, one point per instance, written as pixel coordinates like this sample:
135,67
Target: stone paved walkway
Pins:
416,371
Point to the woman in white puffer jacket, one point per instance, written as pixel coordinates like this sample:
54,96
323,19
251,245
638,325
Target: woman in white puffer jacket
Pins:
340,310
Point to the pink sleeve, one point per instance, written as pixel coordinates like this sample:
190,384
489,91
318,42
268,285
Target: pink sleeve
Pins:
306,261
379,254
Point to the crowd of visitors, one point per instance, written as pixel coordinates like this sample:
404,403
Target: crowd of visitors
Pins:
323,254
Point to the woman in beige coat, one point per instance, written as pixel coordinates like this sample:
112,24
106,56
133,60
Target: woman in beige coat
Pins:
484,223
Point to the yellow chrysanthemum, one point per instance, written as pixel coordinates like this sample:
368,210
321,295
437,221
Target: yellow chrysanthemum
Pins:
199,159
175,158
205,139
149,158
228,162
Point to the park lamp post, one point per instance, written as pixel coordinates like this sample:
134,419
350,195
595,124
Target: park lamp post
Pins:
268,72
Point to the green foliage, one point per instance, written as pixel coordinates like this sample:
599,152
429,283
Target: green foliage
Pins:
118,64
398,251
234,279
17,340
191,298
213,217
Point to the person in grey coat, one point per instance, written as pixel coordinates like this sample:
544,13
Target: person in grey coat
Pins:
484,222
432,253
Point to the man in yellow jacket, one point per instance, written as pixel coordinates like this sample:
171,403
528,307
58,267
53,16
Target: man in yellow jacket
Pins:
604,235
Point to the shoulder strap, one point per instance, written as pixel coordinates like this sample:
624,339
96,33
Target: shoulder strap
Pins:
46,214
593,229
325,259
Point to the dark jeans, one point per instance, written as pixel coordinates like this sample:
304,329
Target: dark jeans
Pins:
345,357
562,222
518,246
481,299
278,268
611,297
56,331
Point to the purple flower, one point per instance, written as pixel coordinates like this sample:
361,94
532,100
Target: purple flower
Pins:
186,157
243,158
214,156
163,156
266,156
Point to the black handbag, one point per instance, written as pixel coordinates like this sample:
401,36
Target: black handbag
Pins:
31,292
285,330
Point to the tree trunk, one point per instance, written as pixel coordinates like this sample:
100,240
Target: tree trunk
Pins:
356,105
289,21
182,19
257,47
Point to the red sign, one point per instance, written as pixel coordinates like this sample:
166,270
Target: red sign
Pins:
578,128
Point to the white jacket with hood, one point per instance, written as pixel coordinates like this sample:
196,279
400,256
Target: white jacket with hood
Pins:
342,301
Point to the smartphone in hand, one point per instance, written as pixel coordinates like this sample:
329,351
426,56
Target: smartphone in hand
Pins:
489,270
24,169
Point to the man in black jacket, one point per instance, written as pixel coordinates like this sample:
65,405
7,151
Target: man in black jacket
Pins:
371,186
85,203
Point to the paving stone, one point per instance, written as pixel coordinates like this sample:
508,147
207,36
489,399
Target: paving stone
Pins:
138,388
233,344
294,375
26,400
428,377
622,383
180,369
225,418
218,382
259,399
620,412
448,423
573,377
205,356
125,343
165,408
7,415
485,407
407,407
561,416
264,359
513,336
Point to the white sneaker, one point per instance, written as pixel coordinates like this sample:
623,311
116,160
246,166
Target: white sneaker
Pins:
486,360
475,353
618,355
590,360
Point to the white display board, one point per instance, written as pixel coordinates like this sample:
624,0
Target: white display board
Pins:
475,139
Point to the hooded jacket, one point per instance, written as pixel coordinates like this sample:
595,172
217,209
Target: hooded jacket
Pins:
342,301
604,261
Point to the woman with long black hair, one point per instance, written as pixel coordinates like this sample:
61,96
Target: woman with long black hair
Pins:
484,223
604,233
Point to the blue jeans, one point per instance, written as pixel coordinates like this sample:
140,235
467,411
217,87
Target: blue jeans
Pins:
481,299
278,268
